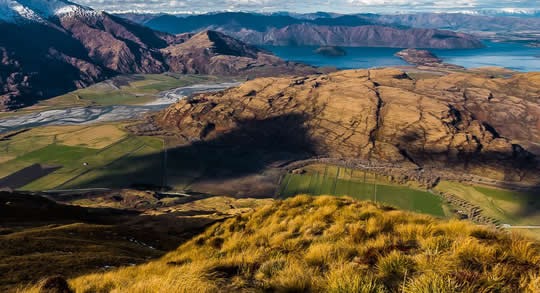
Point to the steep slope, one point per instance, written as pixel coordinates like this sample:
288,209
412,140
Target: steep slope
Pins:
460,122
345,30
50,47
212,52
42,61
330,244
89,232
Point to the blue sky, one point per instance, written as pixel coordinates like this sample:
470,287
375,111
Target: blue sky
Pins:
303,6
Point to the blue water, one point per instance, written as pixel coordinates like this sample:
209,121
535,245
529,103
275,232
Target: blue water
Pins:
510,55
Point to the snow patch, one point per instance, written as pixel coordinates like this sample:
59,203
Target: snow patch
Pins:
13,11
16,11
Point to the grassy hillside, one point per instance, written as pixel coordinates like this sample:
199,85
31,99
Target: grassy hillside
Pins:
77,155
334,244
40,238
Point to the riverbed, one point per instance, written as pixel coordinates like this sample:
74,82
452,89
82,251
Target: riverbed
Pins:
87,115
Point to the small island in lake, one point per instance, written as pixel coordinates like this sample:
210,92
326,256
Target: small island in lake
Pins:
424,58
331,51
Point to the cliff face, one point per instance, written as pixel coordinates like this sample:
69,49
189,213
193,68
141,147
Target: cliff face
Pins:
454,122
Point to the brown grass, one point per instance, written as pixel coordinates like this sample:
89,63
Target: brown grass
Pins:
330,244
96,137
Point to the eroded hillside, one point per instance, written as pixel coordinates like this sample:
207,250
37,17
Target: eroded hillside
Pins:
462,122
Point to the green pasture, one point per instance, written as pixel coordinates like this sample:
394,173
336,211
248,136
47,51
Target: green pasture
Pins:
329,183
509,207
83,167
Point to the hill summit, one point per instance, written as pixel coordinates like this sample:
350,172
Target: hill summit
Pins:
331,244
462,122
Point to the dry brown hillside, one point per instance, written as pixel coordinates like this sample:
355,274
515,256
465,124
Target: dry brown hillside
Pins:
465,122
84,233
331,244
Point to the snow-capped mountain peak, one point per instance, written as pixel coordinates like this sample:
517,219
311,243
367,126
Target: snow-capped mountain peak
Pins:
16,11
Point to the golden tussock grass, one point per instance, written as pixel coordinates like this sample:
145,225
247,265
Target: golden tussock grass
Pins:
331,244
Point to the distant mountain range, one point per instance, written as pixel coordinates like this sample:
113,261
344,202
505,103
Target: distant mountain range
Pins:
310,30
50,47
515,12
321,28
460,22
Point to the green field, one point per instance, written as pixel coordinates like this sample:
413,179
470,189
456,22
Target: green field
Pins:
114,153
509,207
121,90
316,183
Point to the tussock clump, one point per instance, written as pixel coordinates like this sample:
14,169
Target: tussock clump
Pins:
331,244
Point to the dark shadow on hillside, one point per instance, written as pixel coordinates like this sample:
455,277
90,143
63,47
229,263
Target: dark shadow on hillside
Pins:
529,201
96,237
26,176
517,163
249,149
39,59
257,145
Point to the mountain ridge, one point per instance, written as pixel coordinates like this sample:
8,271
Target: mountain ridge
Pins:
347,30
481,25
80,49
17,11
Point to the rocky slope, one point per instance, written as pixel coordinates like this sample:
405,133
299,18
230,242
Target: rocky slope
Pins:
340,31
211,52
463,122
50,47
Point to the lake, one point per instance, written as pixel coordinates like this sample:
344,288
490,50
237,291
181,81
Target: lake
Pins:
510,55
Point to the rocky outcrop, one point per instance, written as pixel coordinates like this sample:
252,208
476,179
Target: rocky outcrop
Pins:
454,122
